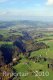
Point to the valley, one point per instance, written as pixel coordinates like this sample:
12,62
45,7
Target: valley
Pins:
26,51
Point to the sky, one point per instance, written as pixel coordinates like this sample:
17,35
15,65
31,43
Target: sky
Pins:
26,10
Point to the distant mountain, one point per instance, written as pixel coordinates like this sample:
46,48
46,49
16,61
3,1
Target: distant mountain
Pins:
25,24
6,24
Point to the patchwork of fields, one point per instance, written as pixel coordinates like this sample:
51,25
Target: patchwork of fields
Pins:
28,69
32,66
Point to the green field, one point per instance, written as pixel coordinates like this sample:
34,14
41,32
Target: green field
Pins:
29,68
32,66
45,52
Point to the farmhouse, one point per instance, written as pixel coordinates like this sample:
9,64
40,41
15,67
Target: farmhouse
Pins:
50,63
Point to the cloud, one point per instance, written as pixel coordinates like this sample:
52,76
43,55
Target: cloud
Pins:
14,14
2,1
49,2
25,12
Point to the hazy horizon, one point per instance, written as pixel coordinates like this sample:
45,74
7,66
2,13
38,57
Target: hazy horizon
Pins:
40,10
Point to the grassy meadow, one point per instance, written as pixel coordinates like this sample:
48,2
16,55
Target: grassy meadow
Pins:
31,70
33,67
